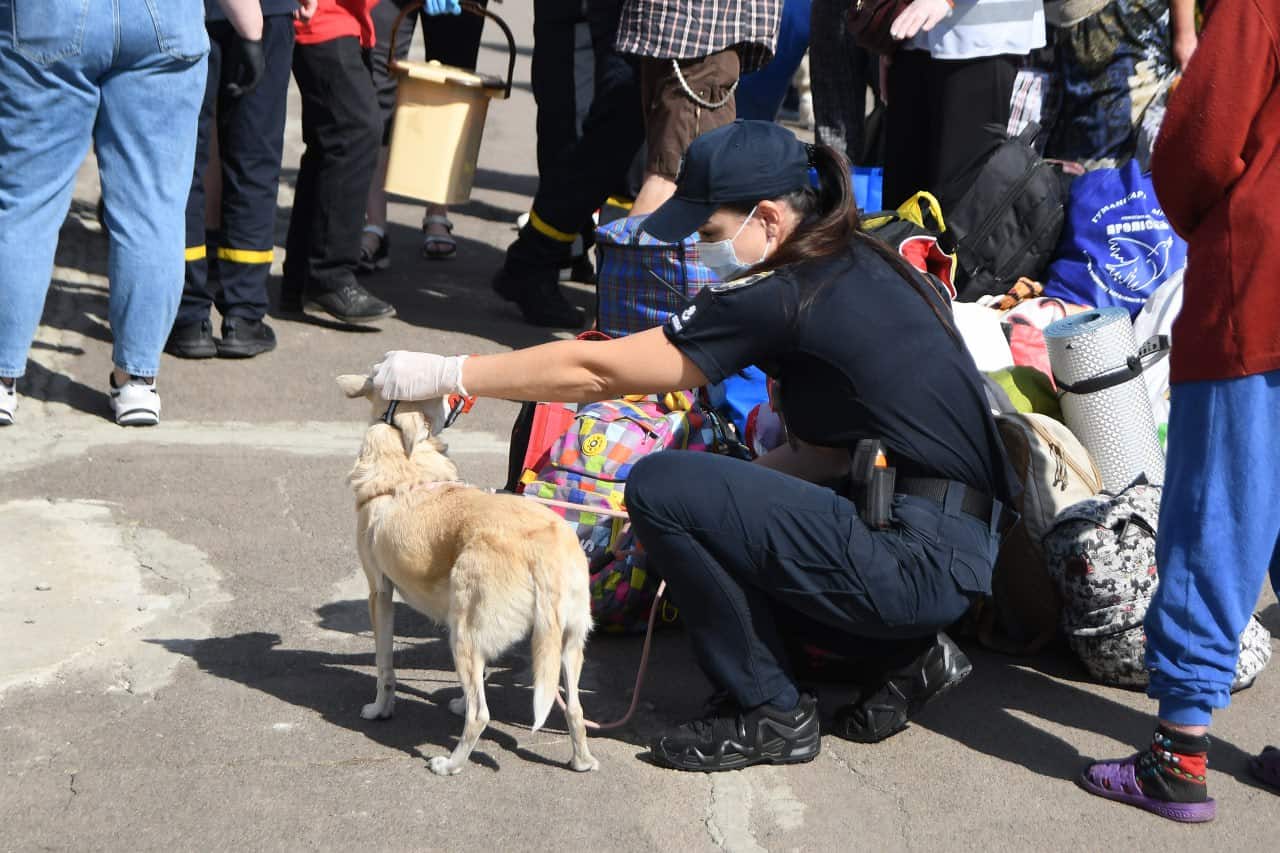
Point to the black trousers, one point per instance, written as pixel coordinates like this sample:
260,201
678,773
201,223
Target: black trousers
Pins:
751,556
562,75
448,39
840,73
581,178
944,115
250,133
342,131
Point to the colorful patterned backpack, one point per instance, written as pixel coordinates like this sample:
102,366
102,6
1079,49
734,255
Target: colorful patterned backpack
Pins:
589,464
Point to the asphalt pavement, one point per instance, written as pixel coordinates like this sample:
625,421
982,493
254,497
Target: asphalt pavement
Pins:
185,647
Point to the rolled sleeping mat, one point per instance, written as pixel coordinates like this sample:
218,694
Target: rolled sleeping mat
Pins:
1098,366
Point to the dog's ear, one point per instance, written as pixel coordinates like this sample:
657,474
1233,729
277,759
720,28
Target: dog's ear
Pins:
354,385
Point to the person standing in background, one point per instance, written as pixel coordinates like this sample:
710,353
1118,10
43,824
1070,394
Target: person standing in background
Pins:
342,130
1216,167
1114,60
451,38
245,104
947,86
692,53
576,182
842,73
129,77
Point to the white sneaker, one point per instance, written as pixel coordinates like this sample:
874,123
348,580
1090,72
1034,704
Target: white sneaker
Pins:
8,403
135,403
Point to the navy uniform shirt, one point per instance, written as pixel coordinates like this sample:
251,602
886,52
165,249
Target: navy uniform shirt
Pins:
859,354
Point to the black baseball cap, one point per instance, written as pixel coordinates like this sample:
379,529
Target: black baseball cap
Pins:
741,162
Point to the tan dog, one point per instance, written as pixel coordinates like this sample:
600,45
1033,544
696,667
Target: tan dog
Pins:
492,568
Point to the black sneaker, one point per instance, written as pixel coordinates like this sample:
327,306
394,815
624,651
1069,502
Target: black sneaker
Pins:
539,297
351,303
729,739
245,338
884,710
194,340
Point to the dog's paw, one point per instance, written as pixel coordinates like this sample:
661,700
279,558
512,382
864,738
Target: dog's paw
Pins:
376,711
458,706
441,767
584,765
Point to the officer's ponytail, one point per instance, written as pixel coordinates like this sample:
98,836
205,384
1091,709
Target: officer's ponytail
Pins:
828,213
830,225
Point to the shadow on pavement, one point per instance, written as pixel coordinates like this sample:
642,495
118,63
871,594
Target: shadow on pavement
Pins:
325,683
606,683
983,714
452,295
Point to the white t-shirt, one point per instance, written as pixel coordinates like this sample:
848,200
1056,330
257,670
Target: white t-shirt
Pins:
978,28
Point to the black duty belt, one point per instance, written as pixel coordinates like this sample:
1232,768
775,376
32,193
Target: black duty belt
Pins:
978,504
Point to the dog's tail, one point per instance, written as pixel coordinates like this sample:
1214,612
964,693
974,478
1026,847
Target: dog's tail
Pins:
547,642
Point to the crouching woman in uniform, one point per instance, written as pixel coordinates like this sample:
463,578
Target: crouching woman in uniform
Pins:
863,348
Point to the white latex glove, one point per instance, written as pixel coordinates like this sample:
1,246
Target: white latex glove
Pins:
922,15
403,375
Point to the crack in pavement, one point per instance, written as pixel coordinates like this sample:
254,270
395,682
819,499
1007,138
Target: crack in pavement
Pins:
74,793
728,815
898,800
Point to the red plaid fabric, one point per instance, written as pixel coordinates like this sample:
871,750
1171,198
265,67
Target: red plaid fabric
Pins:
689,29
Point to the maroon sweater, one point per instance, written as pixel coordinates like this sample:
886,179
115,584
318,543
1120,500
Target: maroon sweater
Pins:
1216,169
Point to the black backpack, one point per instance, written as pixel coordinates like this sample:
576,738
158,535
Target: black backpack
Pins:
1007,223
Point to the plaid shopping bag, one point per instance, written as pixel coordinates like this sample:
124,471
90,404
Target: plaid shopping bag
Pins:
641,281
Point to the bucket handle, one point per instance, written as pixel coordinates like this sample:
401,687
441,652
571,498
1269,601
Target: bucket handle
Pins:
470,7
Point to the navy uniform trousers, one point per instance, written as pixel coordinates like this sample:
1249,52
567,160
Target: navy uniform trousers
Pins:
250,136
581,177
753,558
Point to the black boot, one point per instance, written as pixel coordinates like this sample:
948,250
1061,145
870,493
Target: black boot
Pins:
728,738
351,303
192,340
245,338
537,292
884,710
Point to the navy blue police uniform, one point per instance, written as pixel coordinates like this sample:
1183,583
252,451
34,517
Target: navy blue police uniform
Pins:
750,553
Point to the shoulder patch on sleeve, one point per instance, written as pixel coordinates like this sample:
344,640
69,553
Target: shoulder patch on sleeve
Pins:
739,283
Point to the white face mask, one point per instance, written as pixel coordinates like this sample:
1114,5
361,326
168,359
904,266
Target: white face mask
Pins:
721,258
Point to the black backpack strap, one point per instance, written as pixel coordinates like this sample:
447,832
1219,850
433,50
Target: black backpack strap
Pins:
521,432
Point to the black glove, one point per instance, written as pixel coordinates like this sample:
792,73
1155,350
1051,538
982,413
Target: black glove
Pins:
250,66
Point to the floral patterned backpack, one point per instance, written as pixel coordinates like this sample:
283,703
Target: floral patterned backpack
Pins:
1102,554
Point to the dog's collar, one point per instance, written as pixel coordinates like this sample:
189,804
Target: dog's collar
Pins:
458,405
429,485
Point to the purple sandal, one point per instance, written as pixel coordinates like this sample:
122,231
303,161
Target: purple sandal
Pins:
1117,780
1266,768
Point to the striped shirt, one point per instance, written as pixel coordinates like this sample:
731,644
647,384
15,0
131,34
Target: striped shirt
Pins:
978,28
689,29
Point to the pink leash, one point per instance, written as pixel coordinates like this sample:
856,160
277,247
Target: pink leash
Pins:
648,634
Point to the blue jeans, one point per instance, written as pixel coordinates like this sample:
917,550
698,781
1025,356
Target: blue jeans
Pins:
128,75
1219,536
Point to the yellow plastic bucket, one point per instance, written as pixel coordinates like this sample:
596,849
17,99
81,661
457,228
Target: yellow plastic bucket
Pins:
439,120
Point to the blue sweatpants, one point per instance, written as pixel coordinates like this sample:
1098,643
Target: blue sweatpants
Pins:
1219,536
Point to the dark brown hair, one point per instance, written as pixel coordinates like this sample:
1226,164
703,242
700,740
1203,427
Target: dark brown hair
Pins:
830,226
